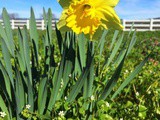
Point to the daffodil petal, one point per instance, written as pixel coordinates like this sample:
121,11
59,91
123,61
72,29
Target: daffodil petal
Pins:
107,13
111,3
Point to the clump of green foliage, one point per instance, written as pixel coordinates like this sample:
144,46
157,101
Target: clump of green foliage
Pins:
68,77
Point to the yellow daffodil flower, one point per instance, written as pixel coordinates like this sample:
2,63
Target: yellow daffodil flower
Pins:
90,17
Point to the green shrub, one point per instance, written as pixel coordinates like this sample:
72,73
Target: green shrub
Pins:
68,77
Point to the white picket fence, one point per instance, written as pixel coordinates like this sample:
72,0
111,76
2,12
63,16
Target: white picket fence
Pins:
21,22
142,25
139,25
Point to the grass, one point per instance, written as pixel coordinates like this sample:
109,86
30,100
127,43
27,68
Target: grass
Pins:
139,100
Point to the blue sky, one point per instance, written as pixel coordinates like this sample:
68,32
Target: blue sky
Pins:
126,9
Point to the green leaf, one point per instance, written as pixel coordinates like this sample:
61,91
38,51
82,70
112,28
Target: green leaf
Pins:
42,95
88,84
132,43
113,81
20,54
114,39
80,82
8,29
26,49
102,41
78,86
48,24
6,80
7,61
19,93
130,77
131,30
28,76
77,68
57,82
82,51
45,17
60,40
114,51
20,42
120,57
4,36
67,71
30,94
34,34
142,111
4,107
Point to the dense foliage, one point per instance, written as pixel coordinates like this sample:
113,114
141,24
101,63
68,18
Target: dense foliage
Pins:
141,99
54,75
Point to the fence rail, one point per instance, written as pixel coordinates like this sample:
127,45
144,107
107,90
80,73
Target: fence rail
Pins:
142,25
139,25
20,23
